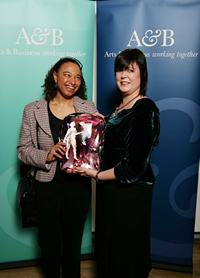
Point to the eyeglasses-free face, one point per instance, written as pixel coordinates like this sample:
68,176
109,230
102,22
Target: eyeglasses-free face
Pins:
68,79
128,80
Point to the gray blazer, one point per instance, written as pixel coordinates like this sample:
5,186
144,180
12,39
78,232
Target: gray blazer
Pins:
28,151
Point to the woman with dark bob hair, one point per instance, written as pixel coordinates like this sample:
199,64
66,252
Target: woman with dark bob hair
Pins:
129,57
127,180
63,200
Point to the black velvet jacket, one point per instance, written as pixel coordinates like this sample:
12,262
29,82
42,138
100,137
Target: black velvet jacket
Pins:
130,138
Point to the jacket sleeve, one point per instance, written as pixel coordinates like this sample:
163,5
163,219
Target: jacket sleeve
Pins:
27,148
140,140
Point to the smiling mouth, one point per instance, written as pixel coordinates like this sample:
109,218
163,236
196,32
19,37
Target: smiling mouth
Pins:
70,87
124,83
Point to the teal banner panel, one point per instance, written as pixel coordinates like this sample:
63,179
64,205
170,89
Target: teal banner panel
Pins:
34,35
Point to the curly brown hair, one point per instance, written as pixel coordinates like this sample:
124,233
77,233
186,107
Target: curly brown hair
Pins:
49,84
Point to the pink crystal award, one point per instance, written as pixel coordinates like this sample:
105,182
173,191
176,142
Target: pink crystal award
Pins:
83,135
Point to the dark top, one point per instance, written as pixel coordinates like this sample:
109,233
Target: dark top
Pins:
55,125
130,138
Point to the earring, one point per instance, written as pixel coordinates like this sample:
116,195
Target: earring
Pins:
56,85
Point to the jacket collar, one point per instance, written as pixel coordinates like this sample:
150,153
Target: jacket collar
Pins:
80,105
42,117
41,112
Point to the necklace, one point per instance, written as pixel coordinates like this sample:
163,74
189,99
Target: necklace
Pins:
63,106
119,108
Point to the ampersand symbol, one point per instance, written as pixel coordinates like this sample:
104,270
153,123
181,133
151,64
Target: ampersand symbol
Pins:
8,52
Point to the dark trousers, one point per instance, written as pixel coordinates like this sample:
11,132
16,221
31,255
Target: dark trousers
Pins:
62,209
123,230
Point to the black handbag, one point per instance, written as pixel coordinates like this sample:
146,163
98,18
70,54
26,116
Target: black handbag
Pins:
26,200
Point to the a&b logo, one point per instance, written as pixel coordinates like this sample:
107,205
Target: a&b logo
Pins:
40,37
150,38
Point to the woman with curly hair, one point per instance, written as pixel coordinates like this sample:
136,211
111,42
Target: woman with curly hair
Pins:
63,200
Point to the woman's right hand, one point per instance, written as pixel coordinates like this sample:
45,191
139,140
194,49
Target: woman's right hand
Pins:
57,151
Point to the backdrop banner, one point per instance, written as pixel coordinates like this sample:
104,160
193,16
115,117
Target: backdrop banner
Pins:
34,35
168,32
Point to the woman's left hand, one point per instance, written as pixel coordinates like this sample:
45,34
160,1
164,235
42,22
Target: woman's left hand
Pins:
83,172
98,114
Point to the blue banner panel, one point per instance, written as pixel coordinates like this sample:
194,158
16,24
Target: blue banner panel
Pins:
34,36
168,32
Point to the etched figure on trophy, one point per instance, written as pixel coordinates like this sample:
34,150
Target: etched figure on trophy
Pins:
70,140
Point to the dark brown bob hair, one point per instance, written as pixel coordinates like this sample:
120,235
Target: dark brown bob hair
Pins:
126,58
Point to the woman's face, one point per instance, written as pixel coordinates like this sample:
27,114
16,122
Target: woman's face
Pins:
128,80
68,79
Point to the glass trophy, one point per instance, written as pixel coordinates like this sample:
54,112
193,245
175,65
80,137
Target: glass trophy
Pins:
83,135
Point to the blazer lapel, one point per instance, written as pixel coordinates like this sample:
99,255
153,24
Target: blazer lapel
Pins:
42,117
80,105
